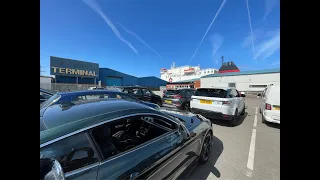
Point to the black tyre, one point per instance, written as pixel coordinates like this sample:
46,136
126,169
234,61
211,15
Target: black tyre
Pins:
244,110
206,148
234,120
186,107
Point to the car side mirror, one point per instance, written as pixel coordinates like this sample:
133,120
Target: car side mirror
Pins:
50,169
259,94
243,95
184,133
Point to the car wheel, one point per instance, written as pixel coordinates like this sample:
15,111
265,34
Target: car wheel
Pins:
187,107
233,121
244,110
206,148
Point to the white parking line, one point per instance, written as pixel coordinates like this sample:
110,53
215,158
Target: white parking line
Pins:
255,121
252,147
251,151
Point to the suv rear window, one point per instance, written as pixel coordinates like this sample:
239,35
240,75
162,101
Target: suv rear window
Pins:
219,93
172,92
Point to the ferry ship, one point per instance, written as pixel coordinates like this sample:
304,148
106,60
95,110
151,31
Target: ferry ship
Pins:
185,73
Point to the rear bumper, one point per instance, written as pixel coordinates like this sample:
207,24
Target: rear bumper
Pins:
174,106
211,114
271,119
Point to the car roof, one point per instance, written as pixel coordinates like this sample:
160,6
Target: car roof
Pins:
224,88
87,92
60,120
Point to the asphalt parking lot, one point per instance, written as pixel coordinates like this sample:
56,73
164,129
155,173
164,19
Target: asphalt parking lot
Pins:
250,150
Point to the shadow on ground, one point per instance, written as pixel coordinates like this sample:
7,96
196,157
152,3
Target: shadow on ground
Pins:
226,123
274,125
202,171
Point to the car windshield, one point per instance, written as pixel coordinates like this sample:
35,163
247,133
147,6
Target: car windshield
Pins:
189,91
50,101
219,93
172,92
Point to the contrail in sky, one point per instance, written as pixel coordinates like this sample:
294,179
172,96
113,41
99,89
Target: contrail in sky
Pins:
218,12
141,40
95,7
249,17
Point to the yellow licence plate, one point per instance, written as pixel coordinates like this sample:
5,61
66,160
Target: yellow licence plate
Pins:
276,108
167,101
205,101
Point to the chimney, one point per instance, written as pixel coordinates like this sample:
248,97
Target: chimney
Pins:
222,59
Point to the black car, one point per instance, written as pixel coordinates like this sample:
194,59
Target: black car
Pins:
44,95
142,93
179,98
117,139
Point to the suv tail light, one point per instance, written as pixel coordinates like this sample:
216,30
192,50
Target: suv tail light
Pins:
226,102
268,106
177,96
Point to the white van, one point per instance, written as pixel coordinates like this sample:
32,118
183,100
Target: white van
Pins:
270,104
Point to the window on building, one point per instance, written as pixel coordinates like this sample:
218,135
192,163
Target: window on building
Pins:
232,85
257,86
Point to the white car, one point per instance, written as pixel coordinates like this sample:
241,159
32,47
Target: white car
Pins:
270,104
218,103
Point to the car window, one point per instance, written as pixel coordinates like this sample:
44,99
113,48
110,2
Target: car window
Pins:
50,101
236,93
132,91
44,95
96,96
126,134
172,92
219,93
146,92
189,91
126,97
72,153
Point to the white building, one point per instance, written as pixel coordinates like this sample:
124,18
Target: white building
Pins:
244,81
45,82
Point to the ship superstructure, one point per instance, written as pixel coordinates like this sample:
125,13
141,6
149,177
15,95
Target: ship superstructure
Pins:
184,73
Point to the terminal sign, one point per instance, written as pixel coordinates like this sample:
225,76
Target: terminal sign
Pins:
73,71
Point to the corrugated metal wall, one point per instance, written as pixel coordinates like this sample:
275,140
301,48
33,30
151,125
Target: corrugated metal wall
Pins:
151,82
127,80
242,82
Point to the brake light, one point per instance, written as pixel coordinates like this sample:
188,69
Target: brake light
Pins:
226,102
268,106
177,96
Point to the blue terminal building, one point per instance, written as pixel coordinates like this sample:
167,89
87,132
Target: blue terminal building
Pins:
81,72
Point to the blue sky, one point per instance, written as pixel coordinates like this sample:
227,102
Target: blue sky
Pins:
138,37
